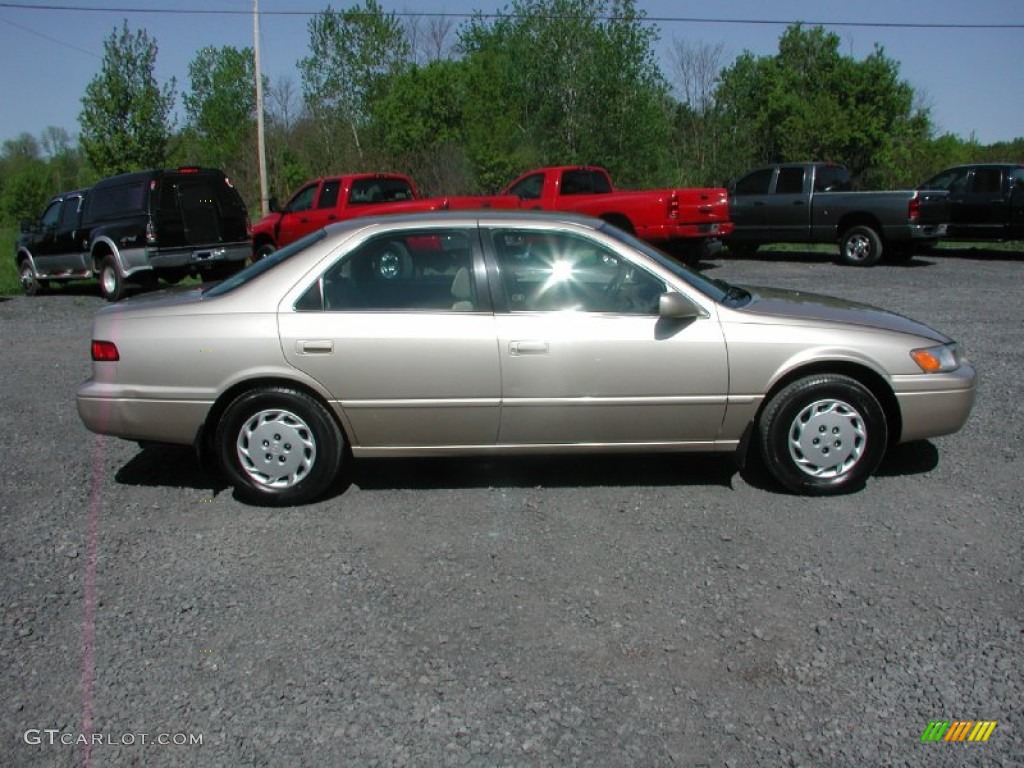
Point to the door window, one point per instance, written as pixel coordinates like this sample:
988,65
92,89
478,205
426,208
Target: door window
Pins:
303,199
529,188
790,181
405,271
755,183
329,194
50,215
69,214
987,181
562,272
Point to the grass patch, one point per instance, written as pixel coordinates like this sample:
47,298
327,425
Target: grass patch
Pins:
9,284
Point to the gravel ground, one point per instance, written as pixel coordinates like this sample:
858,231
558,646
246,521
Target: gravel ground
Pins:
604,611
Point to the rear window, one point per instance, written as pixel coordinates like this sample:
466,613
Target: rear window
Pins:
189,191
379,190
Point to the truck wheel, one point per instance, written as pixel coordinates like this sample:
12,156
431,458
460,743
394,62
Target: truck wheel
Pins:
822,435
112,285
29,283
262,251
860,247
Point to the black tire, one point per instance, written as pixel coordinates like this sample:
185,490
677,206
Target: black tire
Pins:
263,250
822,435
31,285
860,246
112,285
297,438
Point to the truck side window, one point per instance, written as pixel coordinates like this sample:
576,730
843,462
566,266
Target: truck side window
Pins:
303,199
329,194
790,181
529,188
50,215
987,181
755,183
69,214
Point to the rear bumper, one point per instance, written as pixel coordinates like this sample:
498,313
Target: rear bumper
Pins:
104,412
197,256
926,232
665,232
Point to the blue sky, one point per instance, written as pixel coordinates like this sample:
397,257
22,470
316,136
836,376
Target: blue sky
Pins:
972,79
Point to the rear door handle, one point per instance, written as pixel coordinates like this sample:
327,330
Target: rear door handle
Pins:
314,347
516,348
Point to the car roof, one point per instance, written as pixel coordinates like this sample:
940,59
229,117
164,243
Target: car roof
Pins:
474,216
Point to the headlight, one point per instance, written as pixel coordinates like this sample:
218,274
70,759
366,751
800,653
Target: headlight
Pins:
941,359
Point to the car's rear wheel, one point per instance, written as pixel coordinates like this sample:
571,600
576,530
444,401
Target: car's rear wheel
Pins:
112,285
860,247
278,446
262,251
823,435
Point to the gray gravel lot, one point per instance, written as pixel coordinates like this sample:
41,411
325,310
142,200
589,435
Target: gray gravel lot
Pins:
602,611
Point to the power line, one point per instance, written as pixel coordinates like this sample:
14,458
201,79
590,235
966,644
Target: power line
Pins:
477,14
51,39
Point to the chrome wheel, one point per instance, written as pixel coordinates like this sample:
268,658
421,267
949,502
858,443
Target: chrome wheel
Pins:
276,448
858,248
827,438
29,284
108,279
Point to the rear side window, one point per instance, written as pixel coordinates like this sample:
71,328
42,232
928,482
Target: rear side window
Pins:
790,181
118,200
379,190
831,179
987,181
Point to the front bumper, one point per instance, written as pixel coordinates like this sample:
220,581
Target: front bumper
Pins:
934,405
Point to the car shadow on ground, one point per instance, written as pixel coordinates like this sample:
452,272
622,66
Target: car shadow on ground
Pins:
563,471
914,458
173,466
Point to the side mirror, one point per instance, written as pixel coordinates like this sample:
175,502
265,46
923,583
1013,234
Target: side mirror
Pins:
273,206
675,306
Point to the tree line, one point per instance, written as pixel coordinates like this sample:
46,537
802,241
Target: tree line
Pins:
463,109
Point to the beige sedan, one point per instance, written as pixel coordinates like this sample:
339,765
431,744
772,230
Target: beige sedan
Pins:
492,332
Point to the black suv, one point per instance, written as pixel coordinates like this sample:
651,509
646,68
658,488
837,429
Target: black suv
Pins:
140,227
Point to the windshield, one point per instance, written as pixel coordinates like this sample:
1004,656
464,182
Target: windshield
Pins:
718,290
257,268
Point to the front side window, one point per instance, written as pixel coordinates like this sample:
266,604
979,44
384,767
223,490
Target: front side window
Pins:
303,199
954,181
558,272
406,271
755,183
528,188
50,215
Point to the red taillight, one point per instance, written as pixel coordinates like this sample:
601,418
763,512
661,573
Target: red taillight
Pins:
105,352
673,206
914,209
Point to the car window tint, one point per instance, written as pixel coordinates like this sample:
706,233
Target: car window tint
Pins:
790,181
545,271
303,199
953,180
117,200
529,188
50,215
584,182
69,214
987,181
380,189
412,271
755,183
329,194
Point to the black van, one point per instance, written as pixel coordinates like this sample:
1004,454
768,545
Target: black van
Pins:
142,226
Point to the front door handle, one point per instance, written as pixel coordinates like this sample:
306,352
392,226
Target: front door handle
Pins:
528,348
315,347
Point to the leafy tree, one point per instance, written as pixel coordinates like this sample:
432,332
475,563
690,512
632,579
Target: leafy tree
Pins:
352,53
126,115
221,107
810,102
570,81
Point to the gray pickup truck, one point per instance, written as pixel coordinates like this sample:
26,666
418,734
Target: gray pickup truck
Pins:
813,203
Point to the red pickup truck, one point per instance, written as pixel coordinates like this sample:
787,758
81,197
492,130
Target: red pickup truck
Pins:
684,222
323,201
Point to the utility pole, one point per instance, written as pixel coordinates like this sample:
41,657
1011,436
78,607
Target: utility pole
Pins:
260,135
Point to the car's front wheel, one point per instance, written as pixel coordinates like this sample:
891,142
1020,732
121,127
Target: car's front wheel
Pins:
278,446
30,284
823,434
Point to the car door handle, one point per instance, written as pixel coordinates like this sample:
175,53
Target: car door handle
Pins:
528,348
315,347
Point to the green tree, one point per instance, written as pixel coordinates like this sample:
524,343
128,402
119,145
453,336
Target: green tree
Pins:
352,55
570,81
810,102
220,108
126,115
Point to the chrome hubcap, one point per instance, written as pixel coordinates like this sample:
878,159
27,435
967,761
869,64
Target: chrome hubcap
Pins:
276,448
109,280
858,248
827,438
